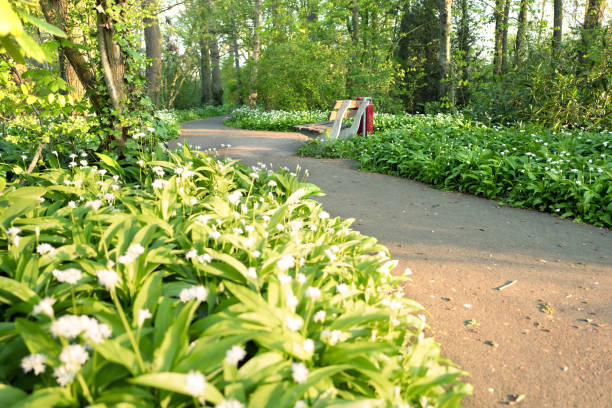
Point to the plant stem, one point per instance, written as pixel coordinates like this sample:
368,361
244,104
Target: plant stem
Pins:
128,330
85,388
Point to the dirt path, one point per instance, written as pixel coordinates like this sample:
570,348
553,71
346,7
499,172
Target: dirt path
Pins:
460,248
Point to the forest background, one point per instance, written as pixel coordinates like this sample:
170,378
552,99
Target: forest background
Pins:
508,61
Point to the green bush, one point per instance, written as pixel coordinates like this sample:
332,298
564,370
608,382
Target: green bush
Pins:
202,112
174,279
571,91
283,121
566,173
280,121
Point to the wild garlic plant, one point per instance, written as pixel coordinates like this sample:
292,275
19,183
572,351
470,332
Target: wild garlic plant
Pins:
189,281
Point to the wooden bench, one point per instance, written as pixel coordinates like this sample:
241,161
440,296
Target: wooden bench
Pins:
342,109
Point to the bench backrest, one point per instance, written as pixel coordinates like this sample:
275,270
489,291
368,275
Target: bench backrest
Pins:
352,109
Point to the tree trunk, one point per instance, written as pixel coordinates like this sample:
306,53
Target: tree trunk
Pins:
113,67
236,55
256,52
215,59
446,90
355,23
594,13
55,13
557,27
593,18
463,37
499,33
70,76
505,36
152,35
520,33
111,62
215,62
205,74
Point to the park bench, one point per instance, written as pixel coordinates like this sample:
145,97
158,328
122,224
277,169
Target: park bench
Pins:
342,109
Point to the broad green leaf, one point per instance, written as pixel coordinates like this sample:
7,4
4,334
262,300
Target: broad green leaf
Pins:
10,395
29,46
295,392
110,163
148,295
113,351
175,339
43,25
176,382
35,339
9,23
207,353
263,367
47,397
19,290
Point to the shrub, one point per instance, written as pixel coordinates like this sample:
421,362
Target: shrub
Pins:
175,279
566,173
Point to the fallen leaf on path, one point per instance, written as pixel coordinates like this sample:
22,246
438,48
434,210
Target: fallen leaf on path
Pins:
506,285
516,399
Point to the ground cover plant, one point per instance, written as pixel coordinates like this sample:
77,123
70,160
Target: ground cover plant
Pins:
567,173
201,112
157,278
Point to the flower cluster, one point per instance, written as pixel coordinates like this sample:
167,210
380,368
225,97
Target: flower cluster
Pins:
71,326
133,252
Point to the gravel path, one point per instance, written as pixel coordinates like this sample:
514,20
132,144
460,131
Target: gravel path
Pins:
547,337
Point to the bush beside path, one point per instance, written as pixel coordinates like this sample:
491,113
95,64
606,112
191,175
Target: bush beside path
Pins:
545,337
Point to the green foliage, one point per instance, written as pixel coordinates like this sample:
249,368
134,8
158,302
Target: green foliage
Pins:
301,75
197,279
281,121
14,40
202,112
559,93
72,135
567,173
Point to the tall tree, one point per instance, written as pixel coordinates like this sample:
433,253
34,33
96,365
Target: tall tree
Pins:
112,64
152,36
215,58
465,40
235,51
520,33
355,22
504,49
256,52
205,74
557,26
594,13
446,87
499,35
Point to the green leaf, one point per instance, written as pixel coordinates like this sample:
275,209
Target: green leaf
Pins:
35,339
295,392
9,23
110,162
175,339
265,366
113,351
19,290
207,353
43,25
29,46
10,395
148,295
47,397
176,382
